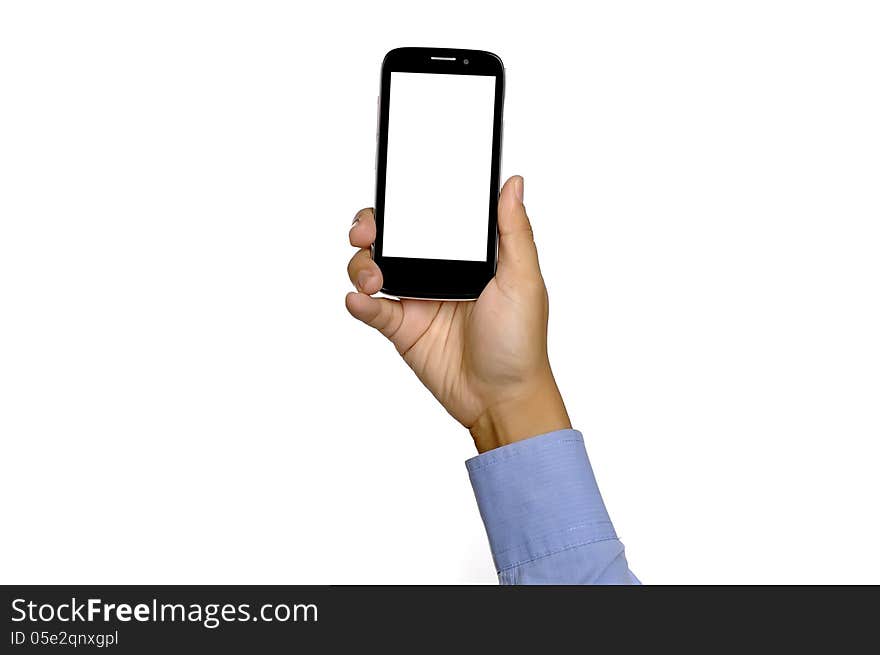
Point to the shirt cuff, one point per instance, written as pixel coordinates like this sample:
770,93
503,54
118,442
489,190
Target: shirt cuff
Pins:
538,497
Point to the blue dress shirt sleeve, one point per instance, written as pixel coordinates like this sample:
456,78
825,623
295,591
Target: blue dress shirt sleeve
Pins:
544,515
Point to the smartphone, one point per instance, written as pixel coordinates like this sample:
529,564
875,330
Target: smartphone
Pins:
438,162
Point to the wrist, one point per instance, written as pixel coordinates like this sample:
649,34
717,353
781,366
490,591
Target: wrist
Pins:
525,413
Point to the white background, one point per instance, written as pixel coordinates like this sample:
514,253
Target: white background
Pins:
183,397
439,166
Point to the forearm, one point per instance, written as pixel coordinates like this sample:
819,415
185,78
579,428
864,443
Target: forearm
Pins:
537,408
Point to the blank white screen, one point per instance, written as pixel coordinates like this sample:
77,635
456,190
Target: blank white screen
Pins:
439,166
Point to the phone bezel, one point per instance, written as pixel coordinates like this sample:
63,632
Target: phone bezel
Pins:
438,278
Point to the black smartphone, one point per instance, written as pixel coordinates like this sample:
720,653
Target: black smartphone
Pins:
438,162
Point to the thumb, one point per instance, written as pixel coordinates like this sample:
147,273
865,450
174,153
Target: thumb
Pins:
517,255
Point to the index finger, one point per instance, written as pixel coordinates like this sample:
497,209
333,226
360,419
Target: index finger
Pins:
363,231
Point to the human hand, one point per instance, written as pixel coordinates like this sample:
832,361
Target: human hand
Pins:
485,361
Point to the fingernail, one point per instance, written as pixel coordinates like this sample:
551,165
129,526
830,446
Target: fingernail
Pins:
518,188
355,221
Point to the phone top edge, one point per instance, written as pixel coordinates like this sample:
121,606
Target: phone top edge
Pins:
416,51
